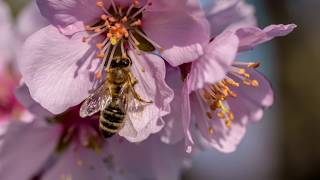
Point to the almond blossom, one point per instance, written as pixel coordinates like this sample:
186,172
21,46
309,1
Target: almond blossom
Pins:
69,147
34,155
66,146
65,61
220,95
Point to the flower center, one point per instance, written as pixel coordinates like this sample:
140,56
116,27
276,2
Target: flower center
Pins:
76,129
122,30
216,95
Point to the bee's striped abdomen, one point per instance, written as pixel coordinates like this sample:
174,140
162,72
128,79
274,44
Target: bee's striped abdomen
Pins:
111,121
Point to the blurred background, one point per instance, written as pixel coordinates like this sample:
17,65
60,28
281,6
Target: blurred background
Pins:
285,144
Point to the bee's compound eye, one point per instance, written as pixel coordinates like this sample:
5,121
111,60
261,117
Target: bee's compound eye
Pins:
125,63
114,64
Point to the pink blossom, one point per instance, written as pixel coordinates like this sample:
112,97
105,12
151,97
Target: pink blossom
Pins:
70,147
29,21
60,69
229,14
220,96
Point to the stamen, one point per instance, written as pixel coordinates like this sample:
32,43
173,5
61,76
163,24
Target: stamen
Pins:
120,11
124,55
248,64
131,36
142,9
111,56
148,39
129,10
136,23
209,115
211,130
84,39
100,4
114,6
202,107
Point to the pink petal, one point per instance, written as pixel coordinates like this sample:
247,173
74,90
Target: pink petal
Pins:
187,54
173,130
223,139
56,69
252,101
230,14
30,20
150,73
244,110
261,95
79,163
178,30
156,160
186,116
23,95
214,64
165,5
26,148
69,15
252,36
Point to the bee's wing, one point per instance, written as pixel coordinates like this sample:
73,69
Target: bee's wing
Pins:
135,106
95,102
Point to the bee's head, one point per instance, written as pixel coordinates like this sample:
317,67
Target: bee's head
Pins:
121,63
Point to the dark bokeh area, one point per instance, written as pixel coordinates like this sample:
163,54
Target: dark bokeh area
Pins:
299,76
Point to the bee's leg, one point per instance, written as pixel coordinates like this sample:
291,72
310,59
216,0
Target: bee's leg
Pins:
133,91
132,79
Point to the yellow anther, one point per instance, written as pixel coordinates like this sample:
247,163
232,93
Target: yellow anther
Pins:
104,17
112,19
231,116
255,83
98,75
99,46
136,2
247,82
233,94
228,123
84,39
100,55
87,28
100,4
253,65
136,23
97,30
221,115
113,40
242,71
232,82
124,19
211,130
246,75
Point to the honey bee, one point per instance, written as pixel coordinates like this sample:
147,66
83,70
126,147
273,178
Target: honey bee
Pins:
111,98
